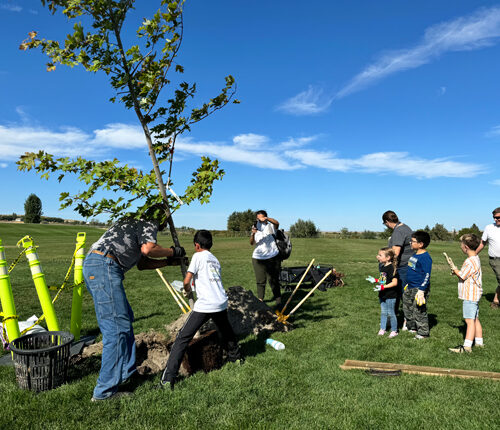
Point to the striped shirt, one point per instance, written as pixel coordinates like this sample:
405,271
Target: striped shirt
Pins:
470,287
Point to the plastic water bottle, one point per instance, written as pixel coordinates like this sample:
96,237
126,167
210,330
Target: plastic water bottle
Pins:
276,344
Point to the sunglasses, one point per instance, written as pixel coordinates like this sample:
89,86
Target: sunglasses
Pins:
496,217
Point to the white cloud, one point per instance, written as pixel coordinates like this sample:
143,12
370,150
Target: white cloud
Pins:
250,140
309,102
11,7
67,141
297,142
442,91
121,136
495,182
3,165
494,132
398,163
263,159
476,31
247,149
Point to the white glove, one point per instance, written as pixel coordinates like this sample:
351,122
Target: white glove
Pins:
378,287
371,279
420,298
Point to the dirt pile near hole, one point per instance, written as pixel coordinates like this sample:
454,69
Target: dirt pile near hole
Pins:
151,352
246,313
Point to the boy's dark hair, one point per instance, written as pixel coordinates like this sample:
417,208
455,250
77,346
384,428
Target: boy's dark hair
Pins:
203,238
261,212
422,237
390,216
470,240
496,211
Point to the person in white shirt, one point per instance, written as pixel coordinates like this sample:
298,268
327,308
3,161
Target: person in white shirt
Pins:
211,302
265,257
491,237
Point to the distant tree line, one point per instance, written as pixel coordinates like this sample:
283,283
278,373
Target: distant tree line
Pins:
240,223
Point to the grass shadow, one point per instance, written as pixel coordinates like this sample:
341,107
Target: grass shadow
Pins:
489,297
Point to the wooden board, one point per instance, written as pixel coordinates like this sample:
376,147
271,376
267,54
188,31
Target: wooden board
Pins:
421,370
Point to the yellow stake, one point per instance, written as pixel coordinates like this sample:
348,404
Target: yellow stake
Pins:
76,304
40,284
7,299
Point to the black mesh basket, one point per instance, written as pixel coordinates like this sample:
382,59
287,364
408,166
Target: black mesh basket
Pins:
41,359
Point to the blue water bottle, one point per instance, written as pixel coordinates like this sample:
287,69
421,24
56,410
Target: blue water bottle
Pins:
276,344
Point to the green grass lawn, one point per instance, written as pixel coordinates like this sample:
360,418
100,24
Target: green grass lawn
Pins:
299,387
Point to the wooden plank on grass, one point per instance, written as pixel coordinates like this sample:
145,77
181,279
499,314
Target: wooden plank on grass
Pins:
420,370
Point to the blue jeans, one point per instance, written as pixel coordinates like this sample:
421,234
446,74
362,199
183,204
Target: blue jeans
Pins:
104,280
387,307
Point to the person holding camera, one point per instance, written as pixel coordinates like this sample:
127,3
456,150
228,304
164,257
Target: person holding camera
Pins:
265,257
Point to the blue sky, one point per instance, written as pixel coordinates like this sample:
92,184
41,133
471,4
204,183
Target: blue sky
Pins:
348,108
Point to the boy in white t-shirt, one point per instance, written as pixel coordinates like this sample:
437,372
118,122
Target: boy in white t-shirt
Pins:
211,302
470,290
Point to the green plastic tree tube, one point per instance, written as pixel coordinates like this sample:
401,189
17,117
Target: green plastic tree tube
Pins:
76,304
7,299
40,284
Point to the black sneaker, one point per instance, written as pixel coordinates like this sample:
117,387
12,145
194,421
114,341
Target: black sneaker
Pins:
163,385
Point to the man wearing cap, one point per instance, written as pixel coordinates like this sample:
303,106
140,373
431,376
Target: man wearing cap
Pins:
491,237
127,243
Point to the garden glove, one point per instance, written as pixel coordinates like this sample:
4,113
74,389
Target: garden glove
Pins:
419,298
378,287
371,279
179,251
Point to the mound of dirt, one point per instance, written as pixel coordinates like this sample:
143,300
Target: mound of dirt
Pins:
246,313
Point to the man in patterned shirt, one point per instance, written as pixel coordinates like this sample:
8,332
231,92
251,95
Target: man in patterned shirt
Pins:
128,243
470,291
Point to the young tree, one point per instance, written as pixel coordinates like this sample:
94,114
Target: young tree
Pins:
304,229
138,73
241,221
33,209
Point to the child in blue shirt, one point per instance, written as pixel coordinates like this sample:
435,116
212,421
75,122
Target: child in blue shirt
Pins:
418,285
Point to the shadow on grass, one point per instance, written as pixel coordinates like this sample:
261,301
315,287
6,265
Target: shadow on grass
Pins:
461,328
145,317
92,365
308,311
489,297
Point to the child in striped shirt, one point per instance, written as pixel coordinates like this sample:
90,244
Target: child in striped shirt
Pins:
470,290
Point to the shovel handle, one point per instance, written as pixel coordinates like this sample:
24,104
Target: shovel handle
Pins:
310,292
170,289
297,287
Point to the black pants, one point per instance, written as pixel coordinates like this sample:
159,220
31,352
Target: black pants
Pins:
267,270
193,323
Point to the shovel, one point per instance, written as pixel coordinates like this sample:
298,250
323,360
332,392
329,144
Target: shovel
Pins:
283,318
280,313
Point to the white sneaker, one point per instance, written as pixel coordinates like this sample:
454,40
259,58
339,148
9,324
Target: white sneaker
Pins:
393,334
381,332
